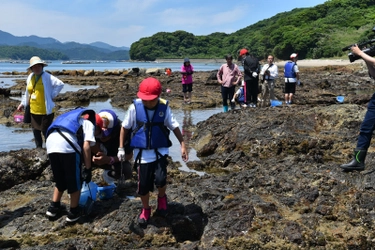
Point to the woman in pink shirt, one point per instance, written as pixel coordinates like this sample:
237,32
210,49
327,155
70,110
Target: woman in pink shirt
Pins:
228,76
187,71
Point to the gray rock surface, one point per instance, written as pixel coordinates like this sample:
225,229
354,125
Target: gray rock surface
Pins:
272,178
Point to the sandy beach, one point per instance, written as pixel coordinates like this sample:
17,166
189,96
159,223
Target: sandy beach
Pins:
323,62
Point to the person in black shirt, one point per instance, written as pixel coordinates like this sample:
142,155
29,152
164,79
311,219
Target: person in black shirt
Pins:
251,70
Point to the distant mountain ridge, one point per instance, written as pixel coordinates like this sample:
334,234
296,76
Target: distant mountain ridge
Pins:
107,46
73,50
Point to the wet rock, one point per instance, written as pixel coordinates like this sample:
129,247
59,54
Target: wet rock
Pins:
5,92
272,178
89,73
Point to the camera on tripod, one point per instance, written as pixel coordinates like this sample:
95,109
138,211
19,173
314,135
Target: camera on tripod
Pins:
366,47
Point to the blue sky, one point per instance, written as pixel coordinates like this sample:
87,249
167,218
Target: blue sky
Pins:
122,22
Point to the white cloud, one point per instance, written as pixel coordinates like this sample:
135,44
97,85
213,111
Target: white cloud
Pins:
120,22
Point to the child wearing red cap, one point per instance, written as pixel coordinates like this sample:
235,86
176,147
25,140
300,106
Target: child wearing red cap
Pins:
151,120
251,68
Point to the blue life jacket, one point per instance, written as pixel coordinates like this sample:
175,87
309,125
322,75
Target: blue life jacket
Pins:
150,133
241,97
289,70
69,122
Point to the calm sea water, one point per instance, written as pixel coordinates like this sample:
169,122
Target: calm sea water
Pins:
101,66
15,138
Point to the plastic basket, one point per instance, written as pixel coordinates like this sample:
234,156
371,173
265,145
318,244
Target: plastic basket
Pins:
18,116
275,103
106,192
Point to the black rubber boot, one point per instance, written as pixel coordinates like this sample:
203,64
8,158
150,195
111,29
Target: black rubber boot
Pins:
358,162
38,138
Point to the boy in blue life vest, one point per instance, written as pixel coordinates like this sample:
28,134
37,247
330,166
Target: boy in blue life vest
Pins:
70,136
150,119
291,75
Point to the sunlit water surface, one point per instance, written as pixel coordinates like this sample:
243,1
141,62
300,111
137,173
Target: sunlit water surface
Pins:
16,138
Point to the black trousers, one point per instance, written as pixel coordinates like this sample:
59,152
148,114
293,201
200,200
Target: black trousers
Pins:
251,91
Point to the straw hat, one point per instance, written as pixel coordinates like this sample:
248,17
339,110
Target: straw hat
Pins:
36,60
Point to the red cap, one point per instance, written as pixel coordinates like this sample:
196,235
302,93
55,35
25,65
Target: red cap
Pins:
243,52
149,89
99,121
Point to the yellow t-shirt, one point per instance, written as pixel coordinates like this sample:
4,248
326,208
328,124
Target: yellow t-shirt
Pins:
37,101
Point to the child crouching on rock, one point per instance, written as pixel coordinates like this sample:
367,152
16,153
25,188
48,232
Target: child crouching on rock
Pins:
239,96
70,139
151,120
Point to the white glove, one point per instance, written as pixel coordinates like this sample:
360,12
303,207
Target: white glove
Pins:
255,74
233,100
299,83
121,154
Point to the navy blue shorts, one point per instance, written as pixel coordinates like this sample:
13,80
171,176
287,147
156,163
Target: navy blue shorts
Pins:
151,174
66,169
188,87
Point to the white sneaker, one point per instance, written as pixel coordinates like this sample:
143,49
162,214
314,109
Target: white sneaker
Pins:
244,105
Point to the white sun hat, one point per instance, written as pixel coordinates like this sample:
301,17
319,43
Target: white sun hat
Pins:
36,60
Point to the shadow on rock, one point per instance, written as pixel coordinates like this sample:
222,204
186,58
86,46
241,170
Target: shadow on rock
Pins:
185,223
12,244
7,216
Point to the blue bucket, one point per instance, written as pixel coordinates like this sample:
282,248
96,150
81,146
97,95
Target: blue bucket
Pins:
106,192
275,103
85,192
340,98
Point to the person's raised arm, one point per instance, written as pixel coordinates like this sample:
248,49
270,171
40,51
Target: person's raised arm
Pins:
370,61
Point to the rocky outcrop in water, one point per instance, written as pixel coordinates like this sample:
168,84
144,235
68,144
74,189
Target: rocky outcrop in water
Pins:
272,178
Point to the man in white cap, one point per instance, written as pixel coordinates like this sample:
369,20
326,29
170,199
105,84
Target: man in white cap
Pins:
41,89
291,75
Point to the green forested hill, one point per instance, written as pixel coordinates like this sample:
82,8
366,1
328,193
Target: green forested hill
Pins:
26,52
317,32
74,53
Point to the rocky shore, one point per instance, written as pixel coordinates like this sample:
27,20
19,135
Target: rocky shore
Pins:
272,178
